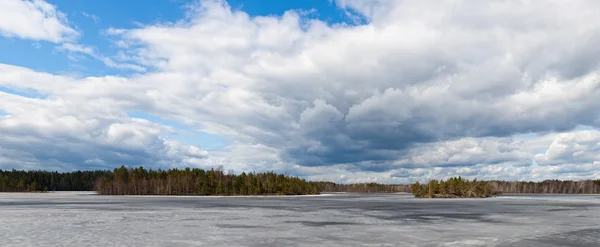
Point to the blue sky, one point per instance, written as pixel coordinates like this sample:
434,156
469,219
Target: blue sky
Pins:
93,18
339,90
184,133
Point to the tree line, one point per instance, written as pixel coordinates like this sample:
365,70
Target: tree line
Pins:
139,181
188,181
543,187
549,187
507,187
454,187
28,181
363,187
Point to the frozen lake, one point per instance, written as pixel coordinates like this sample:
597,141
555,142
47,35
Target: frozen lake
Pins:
84,219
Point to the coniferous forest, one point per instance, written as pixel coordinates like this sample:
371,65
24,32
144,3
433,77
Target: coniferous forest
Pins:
454,188
140,181
458,187
25,181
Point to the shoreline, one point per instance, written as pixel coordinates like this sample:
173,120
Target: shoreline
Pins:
94,193
308,195
212,196
550,194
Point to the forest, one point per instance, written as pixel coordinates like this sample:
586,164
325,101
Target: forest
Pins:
549,187
454,187
363,187
139,181
31,181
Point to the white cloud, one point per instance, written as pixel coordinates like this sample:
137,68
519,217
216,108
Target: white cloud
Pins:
57,134
582,145
35,20
424,90
94,18
75,49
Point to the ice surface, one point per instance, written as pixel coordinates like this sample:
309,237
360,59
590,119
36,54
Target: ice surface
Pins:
86,219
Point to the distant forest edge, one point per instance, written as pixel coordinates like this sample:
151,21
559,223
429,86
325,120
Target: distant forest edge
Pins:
455,187
140,181
28,181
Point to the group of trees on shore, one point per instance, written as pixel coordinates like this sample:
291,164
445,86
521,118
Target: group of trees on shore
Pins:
139,181
30,181
363,187
458,187
455,187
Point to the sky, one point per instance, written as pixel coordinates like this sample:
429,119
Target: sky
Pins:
340,90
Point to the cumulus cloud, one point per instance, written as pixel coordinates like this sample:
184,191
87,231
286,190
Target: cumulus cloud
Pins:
56,134
583,145
421,90
35,20
74,49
